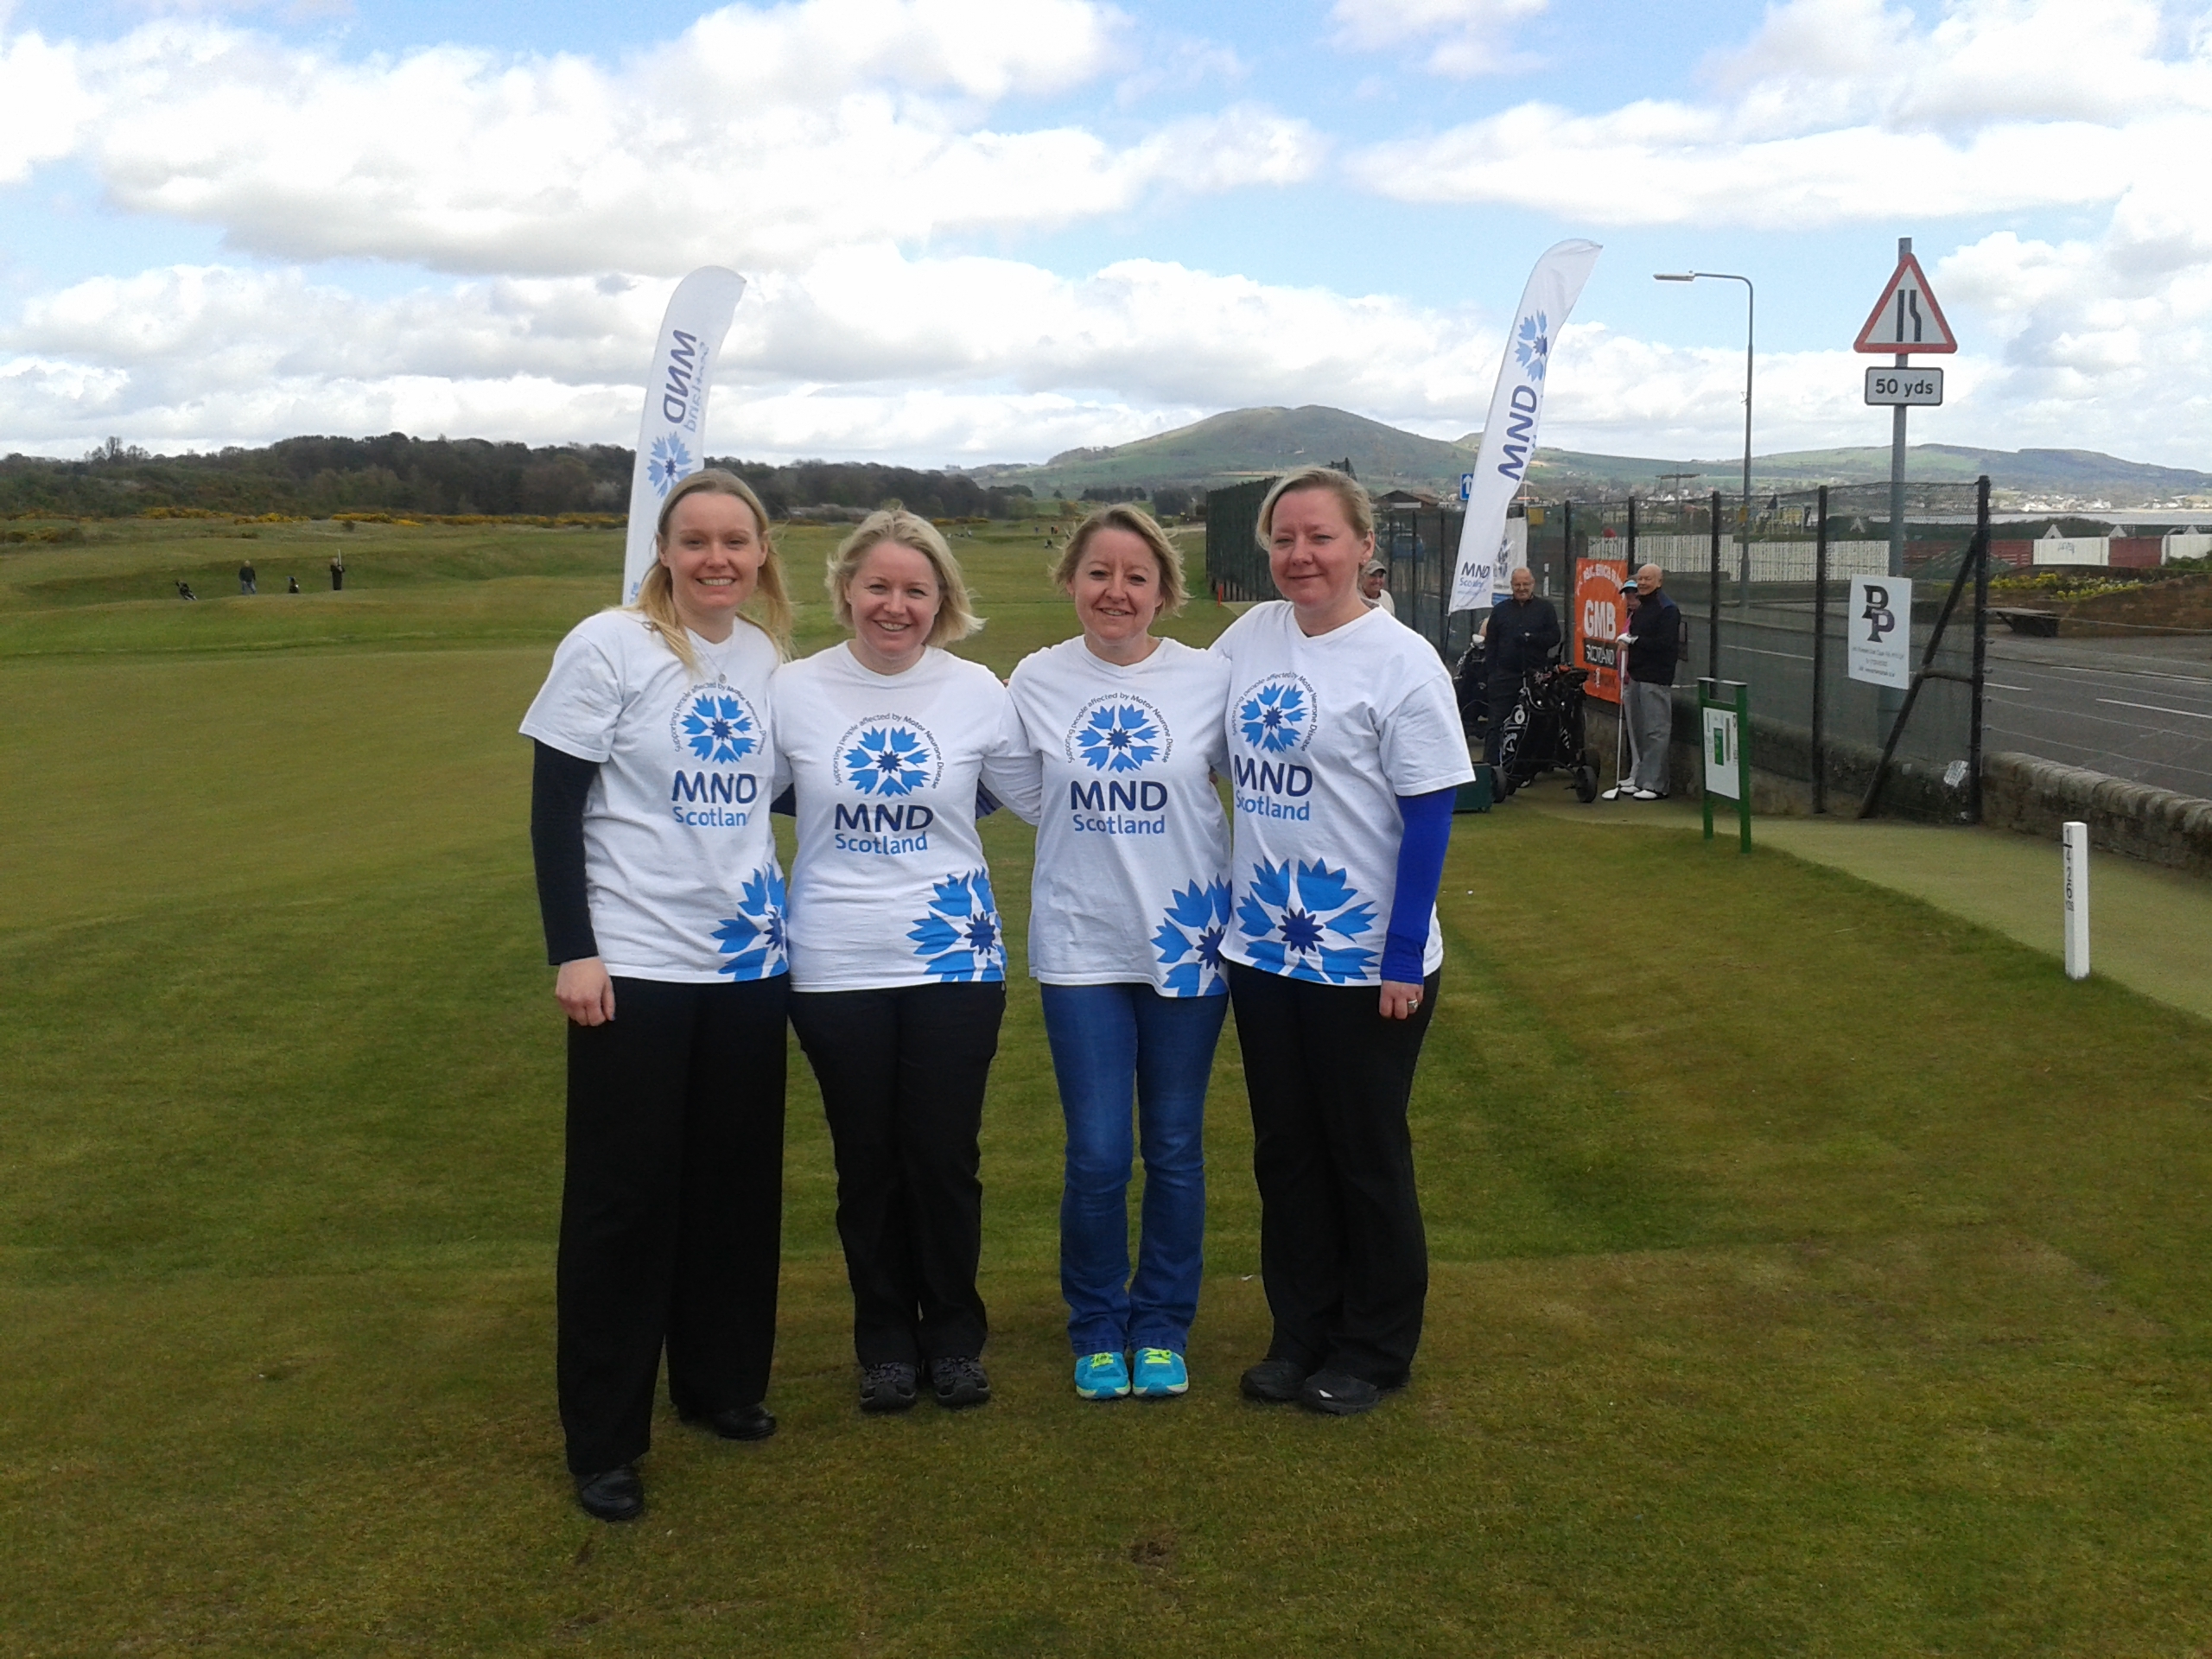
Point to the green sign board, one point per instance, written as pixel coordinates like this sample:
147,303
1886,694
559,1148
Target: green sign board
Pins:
1723,711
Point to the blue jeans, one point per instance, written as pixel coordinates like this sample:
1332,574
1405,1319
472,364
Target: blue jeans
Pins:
1111,1042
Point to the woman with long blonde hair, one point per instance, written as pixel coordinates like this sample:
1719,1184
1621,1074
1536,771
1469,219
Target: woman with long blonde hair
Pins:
664,912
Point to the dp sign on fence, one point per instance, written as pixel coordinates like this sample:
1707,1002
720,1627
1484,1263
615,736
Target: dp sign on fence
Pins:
1879,625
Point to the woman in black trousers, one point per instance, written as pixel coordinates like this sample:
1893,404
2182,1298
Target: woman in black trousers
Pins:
663,905
898,961
1346,750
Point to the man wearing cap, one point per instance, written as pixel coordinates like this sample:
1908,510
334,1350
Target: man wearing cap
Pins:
1374,587
1522,635
1654,642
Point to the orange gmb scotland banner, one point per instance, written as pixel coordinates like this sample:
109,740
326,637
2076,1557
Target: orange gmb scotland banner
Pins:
1596,623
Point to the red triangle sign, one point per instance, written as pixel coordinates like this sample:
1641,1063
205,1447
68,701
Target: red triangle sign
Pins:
1906,318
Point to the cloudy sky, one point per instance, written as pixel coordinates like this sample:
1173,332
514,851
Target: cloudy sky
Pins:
989,230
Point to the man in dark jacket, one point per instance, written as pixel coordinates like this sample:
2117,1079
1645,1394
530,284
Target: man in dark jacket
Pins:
1523,636
1654,645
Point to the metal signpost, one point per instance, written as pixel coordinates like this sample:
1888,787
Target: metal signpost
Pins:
1905,319
1725,724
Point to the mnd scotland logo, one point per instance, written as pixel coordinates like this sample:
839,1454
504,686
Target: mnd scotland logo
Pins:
1189,939
959,937
754,938
887,756
1532,346
1118,733
1277,714
669,461
1288,914
714,723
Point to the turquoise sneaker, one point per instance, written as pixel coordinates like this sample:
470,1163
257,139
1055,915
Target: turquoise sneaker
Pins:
1102,1377
1160,1373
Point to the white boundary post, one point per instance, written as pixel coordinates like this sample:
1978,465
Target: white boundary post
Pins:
2075,842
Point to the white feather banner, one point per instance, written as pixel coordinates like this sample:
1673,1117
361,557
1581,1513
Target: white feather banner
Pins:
672,431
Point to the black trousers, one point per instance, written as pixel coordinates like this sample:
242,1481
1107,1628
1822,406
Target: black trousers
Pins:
902,1073
1342,1249
671,1213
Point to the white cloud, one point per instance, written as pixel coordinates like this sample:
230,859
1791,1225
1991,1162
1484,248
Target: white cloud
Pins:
1843,110
43,109
1471,37
757,137
864,348
867,352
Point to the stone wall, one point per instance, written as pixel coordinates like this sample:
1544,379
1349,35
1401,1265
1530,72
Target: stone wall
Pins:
2036,797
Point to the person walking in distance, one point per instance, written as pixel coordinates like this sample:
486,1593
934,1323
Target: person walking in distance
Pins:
1653,645
897,964
1346,752
1128,904
663,905
246,578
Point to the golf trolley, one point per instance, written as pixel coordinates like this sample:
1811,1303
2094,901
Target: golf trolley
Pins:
1543,731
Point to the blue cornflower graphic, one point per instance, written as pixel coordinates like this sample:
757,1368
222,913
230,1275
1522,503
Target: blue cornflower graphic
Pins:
888,761
959,937
1533,350
718,727
754,938
1119,738
1289,911
1273,716
1189,938
670,460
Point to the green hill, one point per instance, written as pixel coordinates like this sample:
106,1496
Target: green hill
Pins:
1244,443
1250,443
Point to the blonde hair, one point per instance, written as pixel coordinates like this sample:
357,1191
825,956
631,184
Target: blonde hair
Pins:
1359,510
955,616
656,600
1141,525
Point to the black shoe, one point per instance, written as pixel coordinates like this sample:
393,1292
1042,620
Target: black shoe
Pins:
1338,1393
888,1387
959,1384
618,1495
750,1422
1275,1380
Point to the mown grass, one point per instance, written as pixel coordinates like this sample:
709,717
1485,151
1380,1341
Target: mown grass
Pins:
1787,1298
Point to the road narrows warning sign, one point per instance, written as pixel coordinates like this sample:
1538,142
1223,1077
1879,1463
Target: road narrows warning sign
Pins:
1906,318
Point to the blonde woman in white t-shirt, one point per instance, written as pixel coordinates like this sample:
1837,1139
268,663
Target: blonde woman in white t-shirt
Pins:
1128,903
1346,750
663,909
898,963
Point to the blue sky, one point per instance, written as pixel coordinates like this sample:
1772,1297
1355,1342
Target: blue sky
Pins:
980,229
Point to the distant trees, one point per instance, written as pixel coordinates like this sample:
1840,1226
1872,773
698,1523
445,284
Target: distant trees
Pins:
317,476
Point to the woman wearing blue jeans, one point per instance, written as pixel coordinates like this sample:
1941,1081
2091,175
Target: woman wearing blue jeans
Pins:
1129,902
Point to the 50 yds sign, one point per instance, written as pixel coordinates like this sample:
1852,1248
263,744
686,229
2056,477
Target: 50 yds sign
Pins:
1878,627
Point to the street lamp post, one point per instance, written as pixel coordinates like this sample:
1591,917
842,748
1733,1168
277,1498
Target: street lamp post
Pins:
1750,301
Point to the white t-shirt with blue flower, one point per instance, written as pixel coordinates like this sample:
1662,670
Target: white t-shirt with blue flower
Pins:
679,861
888,883
1324,734
1132,875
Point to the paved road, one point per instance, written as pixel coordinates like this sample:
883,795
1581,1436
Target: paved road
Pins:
2138,709
2142,711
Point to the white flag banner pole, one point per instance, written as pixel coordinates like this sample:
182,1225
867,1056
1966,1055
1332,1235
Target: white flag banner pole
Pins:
672,432
1516,406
